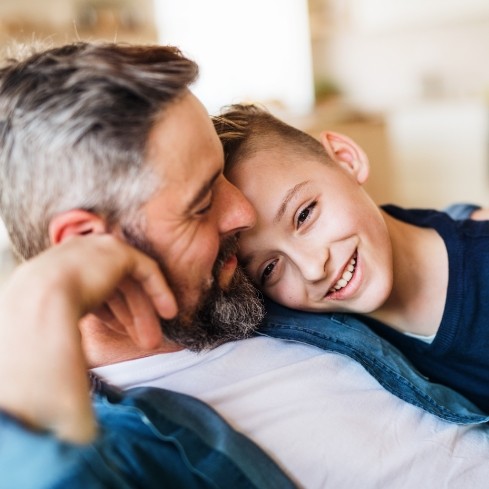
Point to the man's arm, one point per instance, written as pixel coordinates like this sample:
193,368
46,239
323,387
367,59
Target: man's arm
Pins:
147,437
40,344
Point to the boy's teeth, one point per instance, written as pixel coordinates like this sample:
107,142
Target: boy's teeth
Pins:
346,277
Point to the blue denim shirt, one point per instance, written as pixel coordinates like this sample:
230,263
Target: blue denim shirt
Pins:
148,438
348,335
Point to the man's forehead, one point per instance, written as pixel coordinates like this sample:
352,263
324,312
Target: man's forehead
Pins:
184,150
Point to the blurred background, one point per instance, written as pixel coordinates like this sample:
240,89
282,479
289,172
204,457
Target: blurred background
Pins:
407,79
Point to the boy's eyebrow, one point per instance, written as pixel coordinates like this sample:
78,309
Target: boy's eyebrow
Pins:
248,259
287,199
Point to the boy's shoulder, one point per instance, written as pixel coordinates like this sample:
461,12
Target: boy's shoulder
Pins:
461,210
417,216
452,221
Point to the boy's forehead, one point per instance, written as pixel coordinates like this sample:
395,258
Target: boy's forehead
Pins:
261,161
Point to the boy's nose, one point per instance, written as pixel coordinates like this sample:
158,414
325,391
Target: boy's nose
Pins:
312,264
236,212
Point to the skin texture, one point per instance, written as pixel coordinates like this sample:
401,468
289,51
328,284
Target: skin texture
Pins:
64,331
187,232
314,218
185,221
41,343
328,220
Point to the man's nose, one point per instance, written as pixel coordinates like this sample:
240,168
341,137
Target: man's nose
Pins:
236,212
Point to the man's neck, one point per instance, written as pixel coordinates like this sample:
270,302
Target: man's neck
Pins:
105,346
420,265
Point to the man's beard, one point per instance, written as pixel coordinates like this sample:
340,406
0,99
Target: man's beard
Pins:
220,315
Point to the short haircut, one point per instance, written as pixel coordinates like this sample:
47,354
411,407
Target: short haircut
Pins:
245,129
74,125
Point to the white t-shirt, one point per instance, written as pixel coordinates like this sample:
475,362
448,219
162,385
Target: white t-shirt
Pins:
320,415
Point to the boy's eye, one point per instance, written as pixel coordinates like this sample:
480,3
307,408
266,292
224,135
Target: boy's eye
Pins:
267,272
305,214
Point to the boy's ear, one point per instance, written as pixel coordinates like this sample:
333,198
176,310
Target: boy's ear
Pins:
346,153
75,222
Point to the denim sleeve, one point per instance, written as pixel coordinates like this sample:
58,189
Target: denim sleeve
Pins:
461,211
30,459
148,438
350,335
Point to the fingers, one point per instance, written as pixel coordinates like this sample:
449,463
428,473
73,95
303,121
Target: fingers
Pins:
117,308
130,311
108,263
140,293
148,275
40,307
104,314
144,327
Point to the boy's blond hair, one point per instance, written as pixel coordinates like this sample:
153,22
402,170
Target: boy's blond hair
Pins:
245,129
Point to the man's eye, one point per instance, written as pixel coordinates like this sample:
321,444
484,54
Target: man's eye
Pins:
305,214
267,272
204,210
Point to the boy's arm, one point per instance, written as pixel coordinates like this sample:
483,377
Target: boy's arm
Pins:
43,374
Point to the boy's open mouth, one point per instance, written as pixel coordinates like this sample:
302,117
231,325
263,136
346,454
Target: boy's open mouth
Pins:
346,276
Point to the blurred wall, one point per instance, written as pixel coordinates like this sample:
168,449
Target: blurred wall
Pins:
385,53
60,21
419,65
258,50
407,79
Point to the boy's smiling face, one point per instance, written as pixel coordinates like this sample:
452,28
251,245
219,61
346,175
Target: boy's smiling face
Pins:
320,243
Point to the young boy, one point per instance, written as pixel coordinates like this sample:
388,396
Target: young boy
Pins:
320,244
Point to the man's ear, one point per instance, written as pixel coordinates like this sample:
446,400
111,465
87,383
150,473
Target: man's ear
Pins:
346,153
75,222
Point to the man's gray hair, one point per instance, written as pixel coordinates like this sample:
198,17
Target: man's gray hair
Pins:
74,123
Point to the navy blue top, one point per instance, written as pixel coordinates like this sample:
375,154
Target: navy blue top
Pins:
459,354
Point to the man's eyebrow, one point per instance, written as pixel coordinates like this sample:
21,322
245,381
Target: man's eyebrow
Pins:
287,198
203,191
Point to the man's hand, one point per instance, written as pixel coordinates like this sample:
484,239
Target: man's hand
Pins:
43,378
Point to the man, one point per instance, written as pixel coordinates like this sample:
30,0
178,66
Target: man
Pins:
145,438
107,140
102,145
